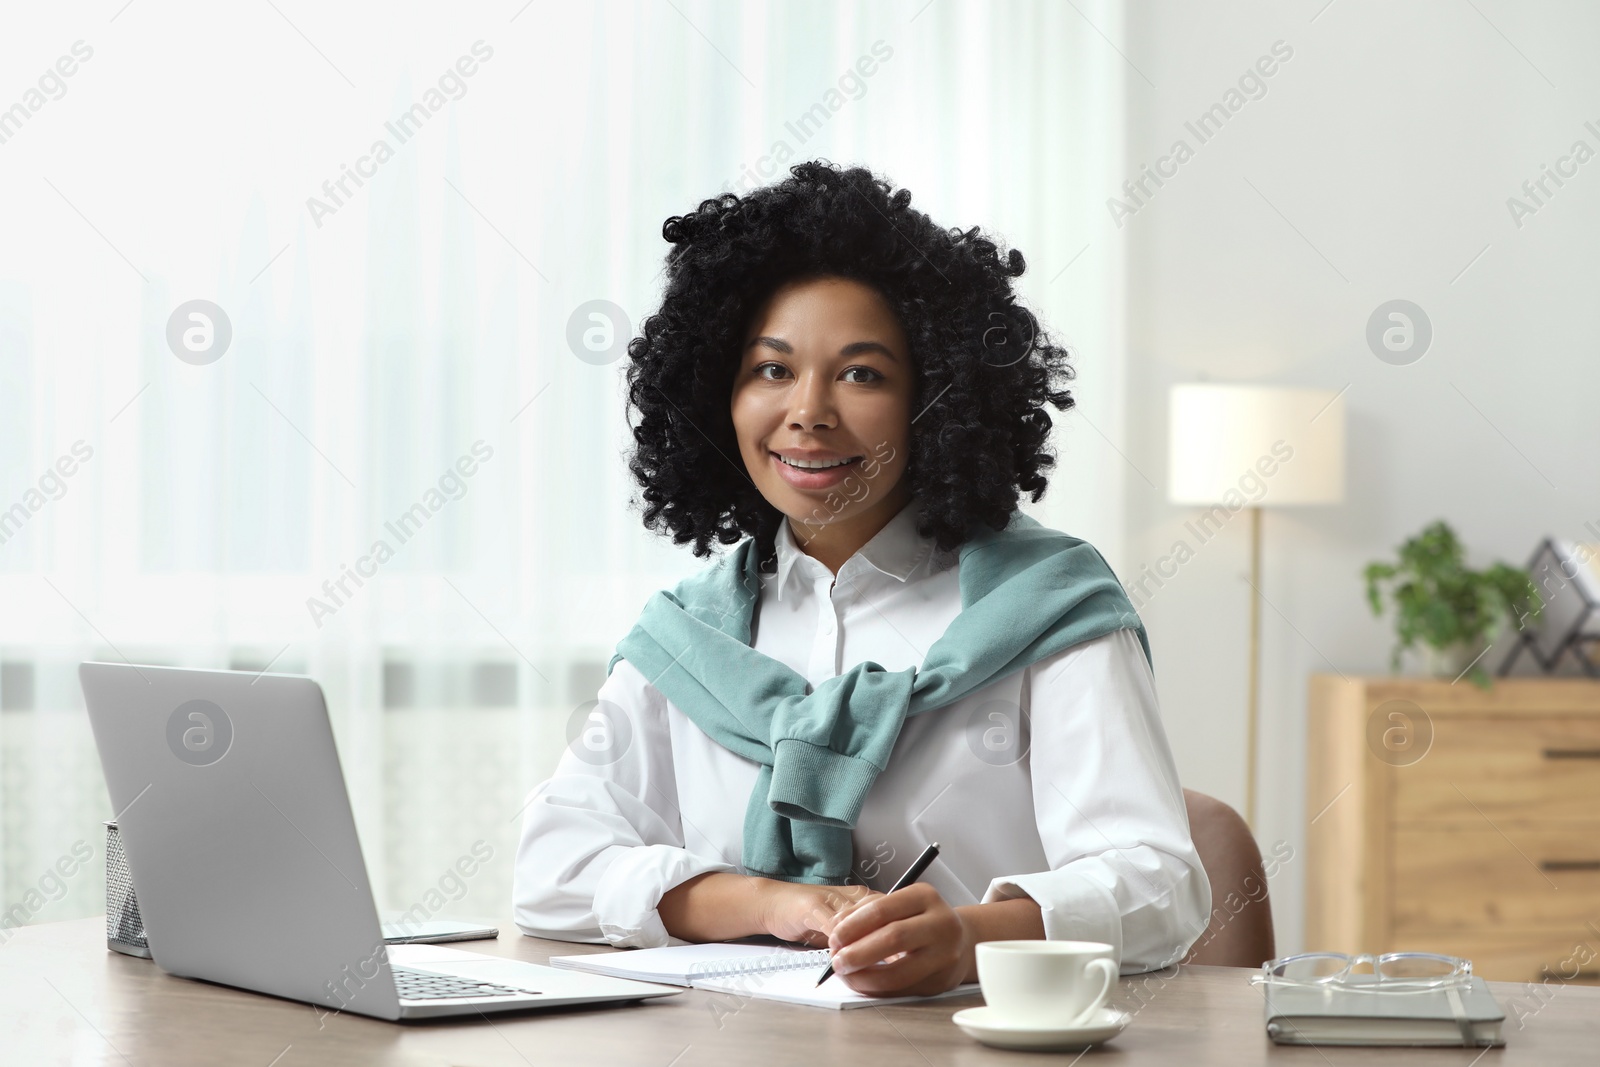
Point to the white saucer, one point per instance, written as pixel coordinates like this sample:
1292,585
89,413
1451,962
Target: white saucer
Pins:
987,1026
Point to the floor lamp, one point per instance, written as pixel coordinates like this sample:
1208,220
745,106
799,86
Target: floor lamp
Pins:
1239,448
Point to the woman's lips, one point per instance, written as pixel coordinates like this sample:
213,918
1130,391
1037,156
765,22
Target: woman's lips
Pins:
825,478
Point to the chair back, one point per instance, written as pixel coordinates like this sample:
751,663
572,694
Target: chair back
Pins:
1240,931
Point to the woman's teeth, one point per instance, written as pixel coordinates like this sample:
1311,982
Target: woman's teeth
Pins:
807,465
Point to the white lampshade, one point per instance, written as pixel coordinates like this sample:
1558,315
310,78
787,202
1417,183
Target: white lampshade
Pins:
1264,445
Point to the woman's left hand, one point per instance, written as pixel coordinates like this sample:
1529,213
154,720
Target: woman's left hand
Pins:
906,943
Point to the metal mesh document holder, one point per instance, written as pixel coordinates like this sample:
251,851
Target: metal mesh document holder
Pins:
1569,625
124,925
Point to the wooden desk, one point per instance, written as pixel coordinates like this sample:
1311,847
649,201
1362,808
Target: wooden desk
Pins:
66,999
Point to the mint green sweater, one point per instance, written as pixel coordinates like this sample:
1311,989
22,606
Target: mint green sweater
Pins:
1027,592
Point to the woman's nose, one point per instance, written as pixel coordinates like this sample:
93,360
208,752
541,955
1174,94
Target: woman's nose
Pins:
811,403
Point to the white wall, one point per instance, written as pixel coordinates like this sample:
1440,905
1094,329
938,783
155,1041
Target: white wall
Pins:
1387,145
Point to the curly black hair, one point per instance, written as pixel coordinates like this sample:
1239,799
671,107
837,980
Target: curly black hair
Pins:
983,368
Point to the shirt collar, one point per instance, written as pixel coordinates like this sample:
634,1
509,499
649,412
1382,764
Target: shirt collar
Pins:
897,550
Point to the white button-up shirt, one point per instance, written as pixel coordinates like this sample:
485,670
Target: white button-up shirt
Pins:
1054,783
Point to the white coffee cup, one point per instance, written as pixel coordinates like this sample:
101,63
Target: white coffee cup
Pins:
1046,983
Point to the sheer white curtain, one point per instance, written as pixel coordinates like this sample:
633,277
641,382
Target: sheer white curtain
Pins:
393,333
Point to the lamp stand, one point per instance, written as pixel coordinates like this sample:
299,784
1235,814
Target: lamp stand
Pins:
1253,701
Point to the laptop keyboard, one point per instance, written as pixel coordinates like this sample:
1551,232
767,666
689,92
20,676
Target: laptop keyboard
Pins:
430,985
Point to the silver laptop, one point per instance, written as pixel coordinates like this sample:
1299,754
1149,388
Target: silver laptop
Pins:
231,805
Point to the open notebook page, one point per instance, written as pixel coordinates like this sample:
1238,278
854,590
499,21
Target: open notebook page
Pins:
677,964
767,971
800,987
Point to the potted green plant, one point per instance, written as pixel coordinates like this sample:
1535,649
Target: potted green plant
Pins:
1453,612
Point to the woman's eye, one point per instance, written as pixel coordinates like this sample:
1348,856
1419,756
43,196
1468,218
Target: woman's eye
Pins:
867,374
777,371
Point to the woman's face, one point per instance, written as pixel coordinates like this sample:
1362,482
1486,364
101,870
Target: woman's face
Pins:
822,405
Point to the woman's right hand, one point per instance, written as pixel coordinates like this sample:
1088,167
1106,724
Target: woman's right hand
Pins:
796,911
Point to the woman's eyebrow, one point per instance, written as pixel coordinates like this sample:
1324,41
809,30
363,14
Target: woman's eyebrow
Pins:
854,348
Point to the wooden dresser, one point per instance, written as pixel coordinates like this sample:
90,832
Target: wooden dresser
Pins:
1448,818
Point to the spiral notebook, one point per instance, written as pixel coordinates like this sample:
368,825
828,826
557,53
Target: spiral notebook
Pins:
766,971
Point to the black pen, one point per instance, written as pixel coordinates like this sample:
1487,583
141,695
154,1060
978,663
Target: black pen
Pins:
911,875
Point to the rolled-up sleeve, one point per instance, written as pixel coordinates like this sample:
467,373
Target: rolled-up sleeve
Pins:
1110,811
602,840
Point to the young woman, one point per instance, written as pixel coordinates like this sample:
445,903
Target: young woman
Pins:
892,655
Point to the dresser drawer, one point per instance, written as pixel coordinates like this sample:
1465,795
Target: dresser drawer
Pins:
1537,956
1531,769
1485,877
1451,844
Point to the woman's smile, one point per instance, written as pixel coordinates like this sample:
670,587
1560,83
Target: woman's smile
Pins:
814,470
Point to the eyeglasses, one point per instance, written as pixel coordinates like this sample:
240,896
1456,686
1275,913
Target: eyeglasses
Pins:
1391,972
